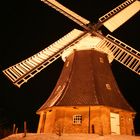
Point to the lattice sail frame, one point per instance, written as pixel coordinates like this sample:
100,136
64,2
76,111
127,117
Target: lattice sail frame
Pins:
119,15
23,71
122,52
28,68
76,39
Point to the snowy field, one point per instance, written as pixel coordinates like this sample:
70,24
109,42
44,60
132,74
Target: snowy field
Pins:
34,136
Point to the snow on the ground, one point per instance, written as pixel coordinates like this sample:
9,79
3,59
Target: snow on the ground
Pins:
34,136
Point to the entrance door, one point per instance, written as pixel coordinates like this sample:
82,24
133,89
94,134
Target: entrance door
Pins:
115,123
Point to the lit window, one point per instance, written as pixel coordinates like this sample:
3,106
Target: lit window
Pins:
101,60
108,86
67,64
77,119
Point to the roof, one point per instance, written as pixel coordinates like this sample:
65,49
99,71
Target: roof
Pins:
86,79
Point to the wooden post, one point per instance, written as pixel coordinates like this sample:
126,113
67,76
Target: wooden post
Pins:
14,128
89,121
16,131
25,129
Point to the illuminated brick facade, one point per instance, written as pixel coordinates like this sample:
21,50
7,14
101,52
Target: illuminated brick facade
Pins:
95,119
86,99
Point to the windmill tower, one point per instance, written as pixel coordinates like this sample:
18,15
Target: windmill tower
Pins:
86,98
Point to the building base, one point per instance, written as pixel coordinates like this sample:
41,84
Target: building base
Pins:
100,120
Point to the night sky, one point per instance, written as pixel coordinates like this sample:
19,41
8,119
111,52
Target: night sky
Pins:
29,26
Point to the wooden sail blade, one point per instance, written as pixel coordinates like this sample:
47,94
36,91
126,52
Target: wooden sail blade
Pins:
116,17
123,53
23,71
68,13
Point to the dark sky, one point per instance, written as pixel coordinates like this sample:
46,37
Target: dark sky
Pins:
29,26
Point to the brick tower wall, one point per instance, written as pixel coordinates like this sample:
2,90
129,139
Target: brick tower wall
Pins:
60,120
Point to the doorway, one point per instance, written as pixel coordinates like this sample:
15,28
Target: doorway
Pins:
115,123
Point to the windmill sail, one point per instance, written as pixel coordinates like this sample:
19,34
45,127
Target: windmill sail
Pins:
116,17
65,11
123,53
23,71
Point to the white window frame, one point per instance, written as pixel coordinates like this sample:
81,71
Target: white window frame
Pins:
77,119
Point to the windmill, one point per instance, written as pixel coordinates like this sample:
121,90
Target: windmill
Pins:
116,49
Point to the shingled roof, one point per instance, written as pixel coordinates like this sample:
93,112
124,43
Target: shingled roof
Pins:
86,79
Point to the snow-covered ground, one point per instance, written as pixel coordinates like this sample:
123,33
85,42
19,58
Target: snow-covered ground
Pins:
34,136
